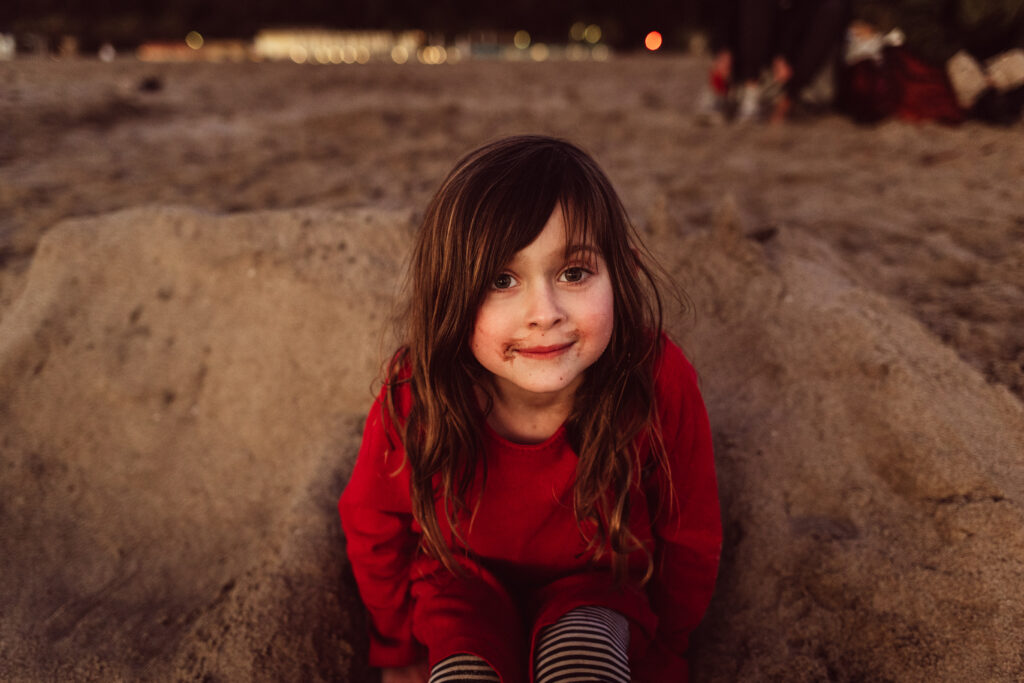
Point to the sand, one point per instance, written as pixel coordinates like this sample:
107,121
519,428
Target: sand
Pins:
195,290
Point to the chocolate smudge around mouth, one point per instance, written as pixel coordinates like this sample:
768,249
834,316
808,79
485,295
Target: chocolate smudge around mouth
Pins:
512,349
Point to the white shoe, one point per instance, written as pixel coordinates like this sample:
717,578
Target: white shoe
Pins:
749,110
967,78
1006,70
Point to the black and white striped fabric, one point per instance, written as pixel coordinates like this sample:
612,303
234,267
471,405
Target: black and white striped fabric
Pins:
586,644
462,668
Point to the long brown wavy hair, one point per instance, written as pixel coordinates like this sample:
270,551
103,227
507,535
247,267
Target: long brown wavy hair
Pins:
494,203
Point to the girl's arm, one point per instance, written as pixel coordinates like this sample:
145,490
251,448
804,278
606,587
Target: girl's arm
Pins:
377,520
689,530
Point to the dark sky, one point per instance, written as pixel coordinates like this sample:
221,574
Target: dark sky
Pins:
624,23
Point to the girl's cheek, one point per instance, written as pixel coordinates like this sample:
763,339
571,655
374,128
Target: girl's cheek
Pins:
494,313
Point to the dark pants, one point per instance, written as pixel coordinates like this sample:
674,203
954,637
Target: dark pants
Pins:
746,28
811,31
805,32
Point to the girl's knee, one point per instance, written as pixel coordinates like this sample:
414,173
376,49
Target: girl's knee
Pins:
463,668
586,643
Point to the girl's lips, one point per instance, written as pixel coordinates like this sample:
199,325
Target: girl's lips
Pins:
541,352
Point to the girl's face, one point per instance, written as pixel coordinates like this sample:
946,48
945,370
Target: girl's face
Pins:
546,319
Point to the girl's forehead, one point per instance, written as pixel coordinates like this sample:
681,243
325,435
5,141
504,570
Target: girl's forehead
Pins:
555,242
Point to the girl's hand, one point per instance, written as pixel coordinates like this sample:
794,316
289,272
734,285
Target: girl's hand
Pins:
416,673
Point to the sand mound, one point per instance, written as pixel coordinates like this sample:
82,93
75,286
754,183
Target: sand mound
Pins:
181,396
870,479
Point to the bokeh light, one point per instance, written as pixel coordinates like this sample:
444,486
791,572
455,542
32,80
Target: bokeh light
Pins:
652,41
322,46
521,40
576,53
432,54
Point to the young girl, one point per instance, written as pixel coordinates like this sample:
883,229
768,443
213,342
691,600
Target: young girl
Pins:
535,496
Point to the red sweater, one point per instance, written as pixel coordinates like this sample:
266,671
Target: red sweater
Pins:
530,562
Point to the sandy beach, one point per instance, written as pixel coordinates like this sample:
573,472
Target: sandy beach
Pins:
198,264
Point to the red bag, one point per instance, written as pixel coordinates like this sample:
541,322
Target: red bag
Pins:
900,85
927,94
868,90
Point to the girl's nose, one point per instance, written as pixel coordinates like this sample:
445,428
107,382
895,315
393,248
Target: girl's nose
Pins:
544,309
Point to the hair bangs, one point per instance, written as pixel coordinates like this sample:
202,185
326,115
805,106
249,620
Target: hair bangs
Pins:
512,208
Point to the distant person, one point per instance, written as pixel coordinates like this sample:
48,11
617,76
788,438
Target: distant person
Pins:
536,475
955,59
810,32
766,52
742,42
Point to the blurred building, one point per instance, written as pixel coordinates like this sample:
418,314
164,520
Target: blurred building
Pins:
336,47
323,46
197,51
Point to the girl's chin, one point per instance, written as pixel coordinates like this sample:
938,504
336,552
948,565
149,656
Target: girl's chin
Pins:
542,386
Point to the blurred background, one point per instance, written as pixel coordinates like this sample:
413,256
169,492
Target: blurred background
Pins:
126,24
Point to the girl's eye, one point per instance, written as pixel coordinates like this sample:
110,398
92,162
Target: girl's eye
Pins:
504,281
574,274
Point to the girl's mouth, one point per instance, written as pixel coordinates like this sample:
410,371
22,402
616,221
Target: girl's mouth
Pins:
544,352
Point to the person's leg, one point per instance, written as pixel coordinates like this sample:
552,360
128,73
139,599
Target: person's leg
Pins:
586,643
818,33
462,668
712,101
471,627
755,42
814,33
755,37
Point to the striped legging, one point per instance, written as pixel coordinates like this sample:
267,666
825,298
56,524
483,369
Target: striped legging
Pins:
586,644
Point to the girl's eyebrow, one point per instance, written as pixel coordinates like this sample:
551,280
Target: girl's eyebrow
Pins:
570,251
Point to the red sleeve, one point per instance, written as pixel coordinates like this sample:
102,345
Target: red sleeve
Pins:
689,530
376,516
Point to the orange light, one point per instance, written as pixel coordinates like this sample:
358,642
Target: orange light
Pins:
653,41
